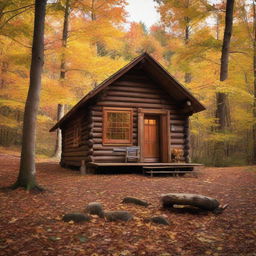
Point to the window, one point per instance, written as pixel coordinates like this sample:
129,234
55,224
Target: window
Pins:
77,134
117,126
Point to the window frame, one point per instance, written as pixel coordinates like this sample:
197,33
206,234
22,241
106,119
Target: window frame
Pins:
120,142
77,133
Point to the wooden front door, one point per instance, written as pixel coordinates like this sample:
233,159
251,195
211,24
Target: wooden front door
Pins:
151,139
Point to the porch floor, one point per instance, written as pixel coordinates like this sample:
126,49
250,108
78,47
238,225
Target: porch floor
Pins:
156,165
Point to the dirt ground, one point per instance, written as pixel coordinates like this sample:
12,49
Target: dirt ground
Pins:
30,224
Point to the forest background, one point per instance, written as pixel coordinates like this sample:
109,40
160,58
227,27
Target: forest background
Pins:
88,40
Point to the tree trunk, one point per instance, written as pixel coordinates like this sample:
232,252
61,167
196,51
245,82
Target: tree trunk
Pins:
222,103
4,69
58,146
27,170
187,76
200,201
60,107
222,109
64,40
254,91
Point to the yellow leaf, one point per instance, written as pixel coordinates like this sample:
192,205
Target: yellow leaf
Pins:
13,220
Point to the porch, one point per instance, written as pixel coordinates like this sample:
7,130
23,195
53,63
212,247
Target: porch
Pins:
154,168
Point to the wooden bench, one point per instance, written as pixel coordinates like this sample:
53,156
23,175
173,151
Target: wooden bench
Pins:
150,170
131,153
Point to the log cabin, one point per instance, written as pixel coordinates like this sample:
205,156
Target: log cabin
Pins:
139,116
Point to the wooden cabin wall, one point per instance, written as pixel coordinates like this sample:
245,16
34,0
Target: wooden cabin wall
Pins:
135,90
73,154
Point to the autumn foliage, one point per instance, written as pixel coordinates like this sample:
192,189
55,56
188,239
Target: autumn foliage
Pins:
187,42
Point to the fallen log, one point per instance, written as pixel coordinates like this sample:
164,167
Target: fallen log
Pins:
199,201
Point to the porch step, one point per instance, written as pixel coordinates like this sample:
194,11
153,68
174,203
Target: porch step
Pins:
158,170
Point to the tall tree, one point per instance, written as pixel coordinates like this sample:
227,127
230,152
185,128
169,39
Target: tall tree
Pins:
60,107
254,81
26,177
222,109
222,103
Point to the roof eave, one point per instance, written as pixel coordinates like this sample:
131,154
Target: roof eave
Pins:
100,87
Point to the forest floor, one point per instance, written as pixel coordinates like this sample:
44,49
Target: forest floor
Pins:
31,223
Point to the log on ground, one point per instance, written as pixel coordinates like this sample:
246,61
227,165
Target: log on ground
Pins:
200,201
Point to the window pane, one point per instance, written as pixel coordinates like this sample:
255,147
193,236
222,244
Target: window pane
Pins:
118,125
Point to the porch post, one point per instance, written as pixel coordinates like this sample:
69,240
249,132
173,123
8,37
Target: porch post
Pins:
141,133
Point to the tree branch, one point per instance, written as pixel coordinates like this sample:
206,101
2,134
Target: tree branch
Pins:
16,41
30,5
245,53
13,17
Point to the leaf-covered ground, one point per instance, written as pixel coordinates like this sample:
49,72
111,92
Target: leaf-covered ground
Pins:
31,224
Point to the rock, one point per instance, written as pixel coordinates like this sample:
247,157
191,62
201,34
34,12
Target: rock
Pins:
200,201
76,217
95,208
159,220
133,200
118,215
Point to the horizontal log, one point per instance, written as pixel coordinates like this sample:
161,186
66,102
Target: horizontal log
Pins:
68,143
134,77
88,136
134,128
177,135
72,145
97,124
68,132
108,159
68,139
72,149
83,143
77,153
97,119
100,135
71,134
82,140
107,153
178,128
97,129
141,90
171,108
128,104
134,94
100,147
128,83
85,129
177,141
96,108
99,141
135,100
180,146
